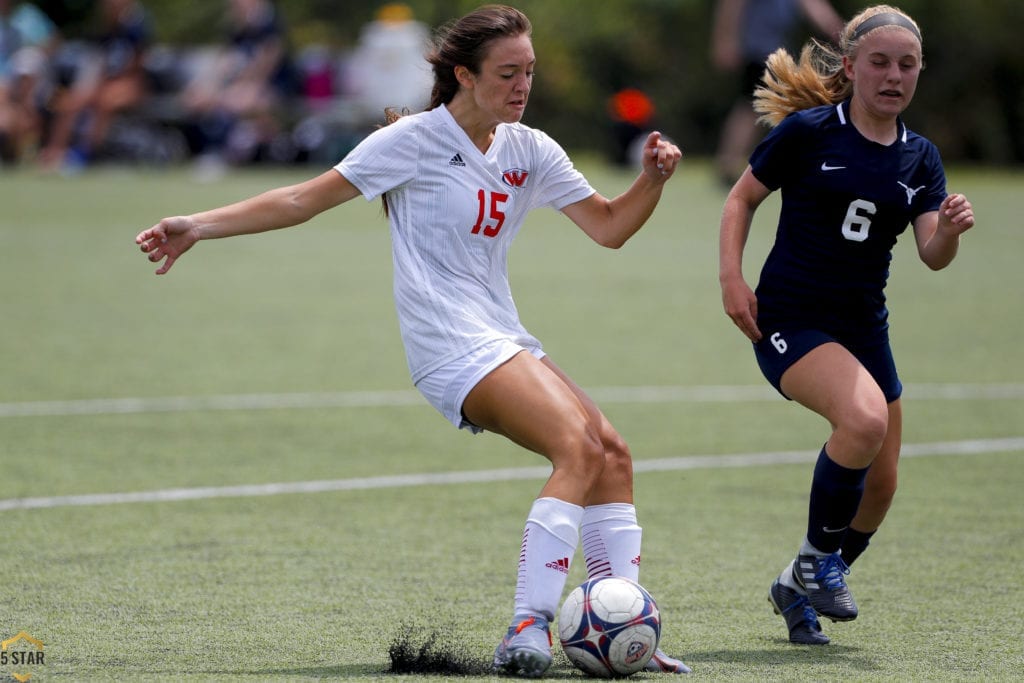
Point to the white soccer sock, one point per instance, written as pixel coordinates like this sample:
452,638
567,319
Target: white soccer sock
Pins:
549,541
786,577
807,549
611,540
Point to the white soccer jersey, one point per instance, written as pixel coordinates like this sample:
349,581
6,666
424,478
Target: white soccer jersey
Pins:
454,212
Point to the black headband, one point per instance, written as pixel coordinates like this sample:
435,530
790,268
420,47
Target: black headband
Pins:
885,19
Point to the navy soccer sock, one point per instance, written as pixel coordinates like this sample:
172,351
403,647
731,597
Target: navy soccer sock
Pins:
854,543
835,494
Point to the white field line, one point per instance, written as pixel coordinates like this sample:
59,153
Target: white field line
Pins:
399,398
962,448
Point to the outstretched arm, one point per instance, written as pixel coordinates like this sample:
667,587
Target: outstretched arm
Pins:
278,208
611,222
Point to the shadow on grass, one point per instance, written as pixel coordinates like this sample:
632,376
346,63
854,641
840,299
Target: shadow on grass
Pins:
775,653
434,656
780,652
364,671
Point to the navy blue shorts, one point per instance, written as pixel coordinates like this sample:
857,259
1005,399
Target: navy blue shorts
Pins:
777,351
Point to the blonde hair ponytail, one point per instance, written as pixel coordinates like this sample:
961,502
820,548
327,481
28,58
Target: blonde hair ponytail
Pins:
789,86
818,77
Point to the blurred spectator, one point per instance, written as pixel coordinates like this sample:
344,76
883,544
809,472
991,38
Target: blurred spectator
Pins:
27,42
110,79
235,105
745,32
388,68
316,68
632,115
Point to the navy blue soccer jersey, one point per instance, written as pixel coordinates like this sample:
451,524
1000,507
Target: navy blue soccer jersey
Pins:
845,200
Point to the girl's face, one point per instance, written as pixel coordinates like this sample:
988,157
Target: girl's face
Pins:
502,87
884,71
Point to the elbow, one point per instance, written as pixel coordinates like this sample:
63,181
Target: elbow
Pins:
605,236
613,236
937,261
612,242
296,206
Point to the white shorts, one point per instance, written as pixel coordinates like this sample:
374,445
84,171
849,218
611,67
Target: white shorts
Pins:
447,387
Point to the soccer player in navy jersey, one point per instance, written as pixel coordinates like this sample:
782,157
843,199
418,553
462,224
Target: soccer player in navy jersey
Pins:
459,180
852,177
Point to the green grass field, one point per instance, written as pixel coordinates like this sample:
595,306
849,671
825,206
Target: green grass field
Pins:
322,506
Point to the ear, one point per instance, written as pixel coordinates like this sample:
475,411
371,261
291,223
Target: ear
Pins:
848,68
464,76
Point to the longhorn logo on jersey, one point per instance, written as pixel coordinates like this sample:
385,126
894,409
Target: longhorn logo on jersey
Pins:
515,177
911,191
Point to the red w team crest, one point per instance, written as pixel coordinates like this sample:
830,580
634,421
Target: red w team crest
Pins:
515,177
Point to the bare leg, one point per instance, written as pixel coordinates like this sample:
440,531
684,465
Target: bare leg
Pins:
534,404
882,477
831,381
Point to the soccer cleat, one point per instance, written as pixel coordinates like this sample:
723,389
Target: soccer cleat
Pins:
822,579
526,649
802,621
662,663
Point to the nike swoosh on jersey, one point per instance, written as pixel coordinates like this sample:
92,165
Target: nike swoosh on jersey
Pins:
826,167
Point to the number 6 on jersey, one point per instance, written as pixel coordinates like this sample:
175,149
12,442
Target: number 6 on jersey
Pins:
856,224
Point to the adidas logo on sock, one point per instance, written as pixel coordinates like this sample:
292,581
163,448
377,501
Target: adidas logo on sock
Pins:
457,161
561,565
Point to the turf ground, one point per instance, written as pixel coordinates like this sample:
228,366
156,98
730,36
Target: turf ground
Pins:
224,474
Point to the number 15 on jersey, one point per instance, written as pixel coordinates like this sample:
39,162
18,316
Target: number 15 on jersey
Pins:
491,213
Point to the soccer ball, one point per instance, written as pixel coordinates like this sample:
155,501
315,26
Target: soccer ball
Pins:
609,627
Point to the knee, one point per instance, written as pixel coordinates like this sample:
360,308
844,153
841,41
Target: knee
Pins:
618,461
599,456
583,454
866,426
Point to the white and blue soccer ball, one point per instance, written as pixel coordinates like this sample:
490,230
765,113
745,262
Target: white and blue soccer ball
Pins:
609,627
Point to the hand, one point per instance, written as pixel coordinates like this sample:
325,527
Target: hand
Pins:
741,305
956,216
170,238
660,157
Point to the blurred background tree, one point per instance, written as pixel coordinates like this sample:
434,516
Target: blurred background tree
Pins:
970,99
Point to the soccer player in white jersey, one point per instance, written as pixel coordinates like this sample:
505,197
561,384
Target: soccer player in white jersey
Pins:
853,177
457,182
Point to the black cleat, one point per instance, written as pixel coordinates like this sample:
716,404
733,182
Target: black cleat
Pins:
823,580
802,621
